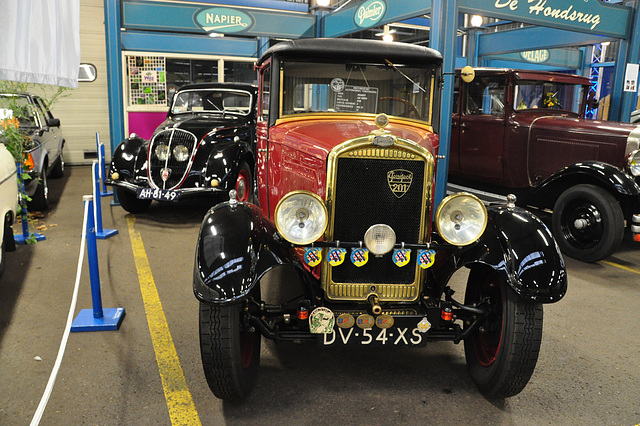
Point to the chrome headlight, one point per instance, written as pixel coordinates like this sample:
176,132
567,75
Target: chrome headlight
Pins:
161,151
461,219
633,163
380,239
301,217
181,153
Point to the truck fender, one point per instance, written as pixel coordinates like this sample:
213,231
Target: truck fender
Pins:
518,245
129,156
602,174
236,246
224,162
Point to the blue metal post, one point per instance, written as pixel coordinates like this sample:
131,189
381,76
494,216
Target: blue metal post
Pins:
96,319
24,216
104,192
97,207
444,19
92,254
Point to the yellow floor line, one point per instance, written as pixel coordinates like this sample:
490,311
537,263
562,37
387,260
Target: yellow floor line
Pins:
626,268
182,410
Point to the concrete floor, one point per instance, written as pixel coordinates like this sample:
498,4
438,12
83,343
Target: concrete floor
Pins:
588,371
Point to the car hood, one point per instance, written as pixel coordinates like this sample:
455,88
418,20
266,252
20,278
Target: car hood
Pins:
201,124
318,136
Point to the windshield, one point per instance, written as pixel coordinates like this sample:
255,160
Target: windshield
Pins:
213,100
357,88
19,107
548,95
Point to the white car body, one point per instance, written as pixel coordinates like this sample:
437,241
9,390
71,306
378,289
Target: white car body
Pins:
8,201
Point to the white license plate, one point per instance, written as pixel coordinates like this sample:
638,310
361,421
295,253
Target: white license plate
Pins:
394,336
158,194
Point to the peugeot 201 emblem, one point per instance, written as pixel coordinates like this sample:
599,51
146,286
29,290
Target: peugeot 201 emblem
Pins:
165,173
399,181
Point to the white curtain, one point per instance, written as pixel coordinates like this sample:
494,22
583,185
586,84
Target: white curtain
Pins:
40,41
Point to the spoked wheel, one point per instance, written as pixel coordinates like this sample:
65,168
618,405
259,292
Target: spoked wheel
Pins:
587,223
230,351
130,202
244,185
502,353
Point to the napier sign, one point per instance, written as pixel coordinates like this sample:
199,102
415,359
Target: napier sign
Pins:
369,13
224,20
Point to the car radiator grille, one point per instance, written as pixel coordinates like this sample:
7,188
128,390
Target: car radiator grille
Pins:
176,170
363,198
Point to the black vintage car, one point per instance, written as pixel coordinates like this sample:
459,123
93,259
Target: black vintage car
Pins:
205,147
346,164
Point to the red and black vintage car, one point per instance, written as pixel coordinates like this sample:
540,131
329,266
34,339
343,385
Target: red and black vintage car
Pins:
346,176
522,132
206,146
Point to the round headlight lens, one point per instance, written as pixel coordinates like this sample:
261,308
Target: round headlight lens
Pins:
633,163
301,217
162,151
181,153
380,239
461,219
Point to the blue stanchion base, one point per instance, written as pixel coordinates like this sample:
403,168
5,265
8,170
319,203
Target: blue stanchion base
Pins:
106,193
111,320
106,233
21,239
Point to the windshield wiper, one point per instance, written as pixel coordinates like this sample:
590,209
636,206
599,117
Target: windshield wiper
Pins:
405,76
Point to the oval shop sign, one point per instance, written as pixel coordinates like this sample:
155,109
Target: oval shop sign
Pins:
535,56
223,20
369,13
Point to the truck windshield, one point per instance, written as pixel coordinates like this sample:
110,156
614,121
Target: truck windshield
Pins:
548,95
388,88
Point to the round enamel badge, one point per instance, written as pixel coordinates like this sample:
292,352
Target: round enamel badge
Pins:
321,321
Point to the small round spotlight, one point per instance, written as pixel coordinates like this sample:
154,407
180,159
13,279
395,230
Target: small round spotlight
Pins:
380,239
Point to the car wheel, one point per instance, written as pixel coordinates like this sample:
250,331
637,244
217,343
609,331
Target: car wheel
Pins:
244,184
130,202
58,168
503,351
40,199
587,223
230,351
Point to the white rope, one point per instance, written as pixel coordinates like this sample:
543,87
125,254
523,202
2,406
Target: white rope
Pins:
63,344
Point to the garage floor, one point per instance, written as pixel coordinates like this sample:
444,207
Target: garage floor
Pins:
149,371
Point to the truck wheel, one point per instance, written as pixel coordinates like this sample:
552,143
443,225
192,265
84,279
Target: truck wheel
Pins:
40,199
503,351
130,202
244,183
587,223
230,352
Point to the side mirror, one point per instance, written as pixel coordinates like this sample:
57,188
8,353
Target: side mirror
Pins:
53,122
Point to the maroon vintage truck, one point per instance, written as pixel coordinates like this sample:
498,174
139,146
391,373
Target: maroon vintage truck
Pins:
522,132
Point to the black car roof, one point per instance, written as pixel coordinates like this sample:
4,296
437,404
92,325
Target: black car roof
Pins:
349,49
233,86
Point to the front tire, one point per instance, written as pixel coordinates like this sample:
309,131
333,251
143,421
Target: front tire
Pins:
244,184
130,202
230,351
502,353
588,223
57,171
40,199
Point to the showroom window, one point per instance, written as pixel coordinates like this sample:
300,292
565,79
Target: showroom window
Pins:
151,80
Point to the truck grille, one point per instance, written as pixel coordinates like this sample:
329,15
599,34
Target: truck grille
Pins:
365,192
174,171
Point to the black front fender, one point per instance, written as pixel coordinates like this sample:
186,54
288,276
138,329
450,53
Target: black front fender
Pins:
129,157
224,162
518,245
236,246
